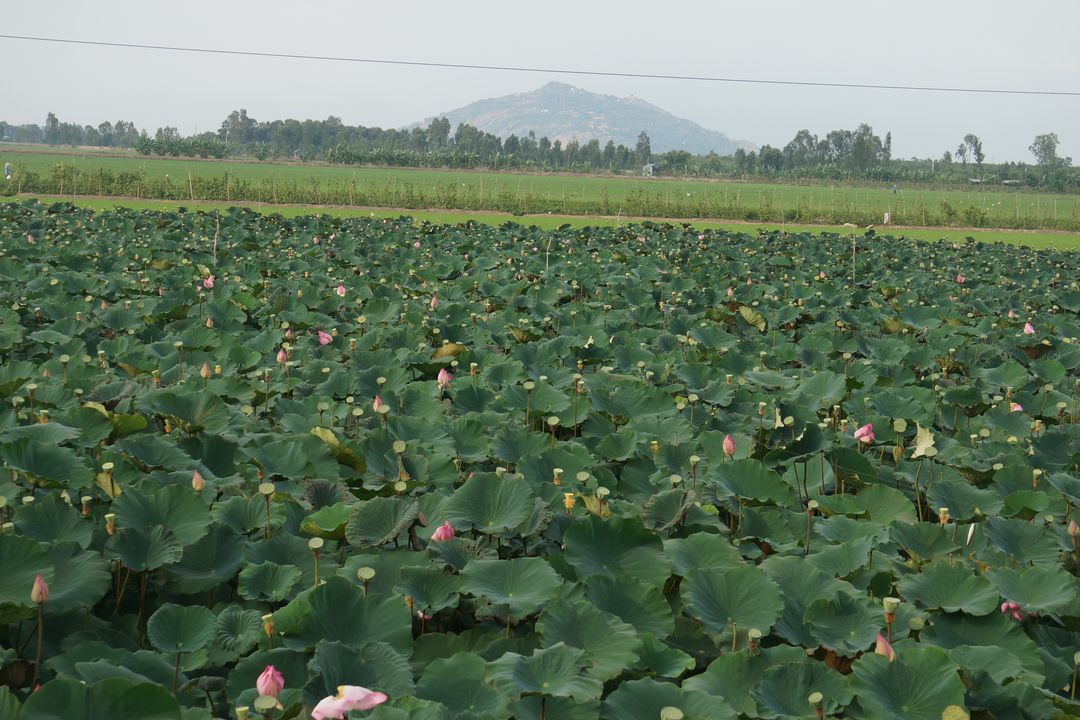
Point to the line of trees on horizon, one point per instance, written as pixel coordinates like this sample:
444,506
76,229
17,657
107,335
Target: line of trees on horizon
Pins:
845,155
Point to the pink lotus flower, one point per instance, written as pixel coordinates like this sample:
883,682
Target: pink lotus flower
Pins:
444,379
729,446
416,244
1012,314
197,482
282,356
208,283
1029,329
348,698
434,302
1016,407
270,682
865,434
39,593
821,275
325,338
376,404
1009,608
443,533
960,279
882,647
340,290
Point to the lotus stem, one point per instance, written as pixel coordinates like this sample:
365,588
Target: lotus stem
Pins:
41,643
176,673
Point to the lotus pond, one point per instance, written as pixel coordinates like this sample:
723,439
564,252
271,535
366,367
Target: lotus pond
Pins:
633,473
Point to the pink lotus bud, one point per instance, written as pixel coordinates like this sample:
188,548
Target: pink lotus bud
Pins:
731,292
434,302
443,533
729,446
1012,314
315,241
377,403
270,682
208,283
416,244
444,379
204,371
1016,407
288,334
1029,329
197,482
325,338
701,236
821,274
865,434
39,593
282,356
340,290
960,279
882,647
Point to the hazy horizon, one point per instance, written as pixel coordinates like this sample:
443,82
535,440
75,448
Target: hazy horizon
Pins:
958,44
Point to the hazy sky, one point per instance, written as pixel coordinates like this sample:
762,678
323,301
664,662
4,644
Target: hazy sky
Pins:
981,43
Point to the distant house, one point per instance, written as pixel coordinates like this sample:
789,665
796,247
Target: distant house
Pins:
650,169
1010,183
975,181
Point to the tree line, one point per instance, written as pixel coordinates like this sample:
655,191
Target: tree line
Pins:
845,155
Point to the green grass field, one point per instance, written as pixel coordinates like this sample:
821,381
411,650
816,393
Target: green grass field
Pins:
998,203
1056,240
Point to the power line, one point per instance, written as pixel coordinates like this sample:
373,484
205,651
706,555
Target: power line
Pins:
553,71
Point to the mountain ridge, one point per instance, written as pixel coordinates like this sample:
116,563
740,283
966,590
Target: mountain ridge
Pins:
560,111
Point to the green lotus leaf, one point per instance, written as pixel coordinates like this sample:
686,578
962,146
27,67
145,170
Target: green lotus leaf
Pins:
616,546
430,588
732,676
50,520
328,522
178,629
378,521
210,561
1022,541
701,551
750,479
192,411
741,597
154,451
918,685
22,560
340,611
375,665
660,659
489,503
843,624
952,588
924,540
640,605
268,581
610,645
557,671
53,464
68,699
800,584
84,578
142,549
461,683
644,699
997,662
176,507
515,588
784,688
1036,589
529,708
952,630
239,630
10,709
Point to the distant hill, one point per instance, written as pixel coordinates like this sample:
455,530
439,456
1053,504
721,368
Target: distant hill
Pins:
564,112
